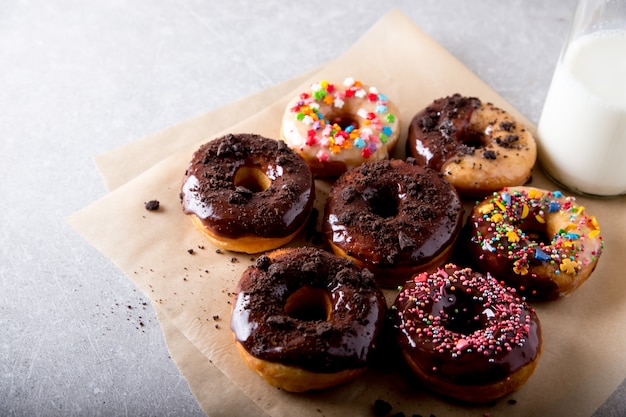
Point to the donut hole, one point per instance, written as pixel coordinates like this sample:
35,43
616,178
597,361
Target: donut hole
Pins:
343,120
382,202
252,178
474,139
462,314
309,304
541,233
539,236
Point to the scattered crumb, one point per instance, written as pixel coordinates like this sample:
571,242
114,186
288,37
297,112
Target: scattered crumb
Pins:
152,205
381,408
190,251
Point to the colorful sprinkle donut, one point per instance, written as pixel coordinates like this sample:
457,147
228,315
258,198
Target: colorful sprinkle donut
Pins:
541,242
465,335
335,127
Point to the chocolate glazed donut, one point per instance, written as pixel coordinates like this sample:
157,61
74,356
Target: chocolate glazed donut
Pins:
305,319
248,193
393,217
465,335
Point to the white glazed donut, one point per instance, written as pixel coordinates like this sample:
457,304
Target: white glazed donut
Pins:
335,127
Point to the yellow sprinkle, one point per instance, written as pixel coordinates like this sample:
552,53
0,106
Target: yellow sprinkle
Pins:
569,227
594,223
568,266
520,269
534,194
512,236
486,209
580,210
525,211
497,218
324,84
501,206
540,219
594,233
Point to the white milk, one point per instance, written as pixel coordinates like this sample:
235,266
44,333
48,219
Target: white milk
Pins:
582,130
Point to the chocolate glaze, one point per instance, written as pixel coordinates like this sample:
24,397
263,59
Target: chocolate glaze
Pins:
392,214
465,328
441,131
345,341
209,190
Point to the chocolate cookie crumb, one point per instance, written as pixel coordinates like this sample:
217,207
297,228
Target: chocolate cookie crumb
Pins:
190,251
381,408
152,205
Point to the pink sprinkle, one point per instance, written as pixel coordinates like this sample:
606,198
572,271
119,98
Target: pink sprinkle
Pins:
322,156
462,344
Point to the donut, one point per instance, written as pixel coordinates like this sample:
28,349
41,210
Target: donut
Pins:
479,147
247,193
335,127
393,217
465,335
542,243
305,319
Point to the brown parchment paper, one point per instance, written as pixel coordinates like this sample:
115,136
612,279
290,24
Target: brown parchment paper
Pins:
583,359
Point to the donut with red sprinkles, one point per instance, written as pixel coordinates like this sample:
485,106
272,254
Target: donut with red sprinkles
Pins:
465,335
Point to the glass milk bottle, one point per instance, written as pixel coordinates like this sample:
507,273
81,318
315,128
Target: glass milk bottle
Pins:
582,129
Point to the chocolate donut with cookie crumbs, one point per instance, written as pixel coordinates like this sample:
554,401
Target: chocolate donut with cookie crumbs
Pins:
477,146
305,319
393,217
248,193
